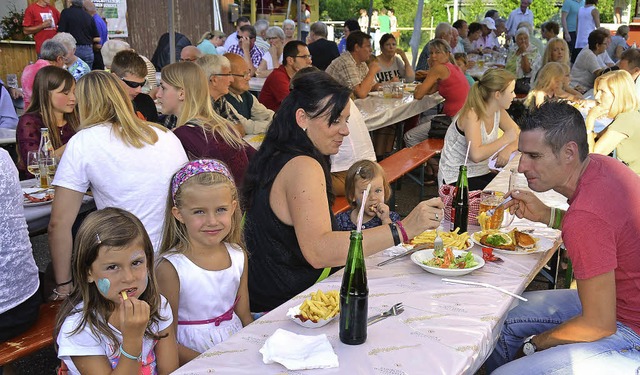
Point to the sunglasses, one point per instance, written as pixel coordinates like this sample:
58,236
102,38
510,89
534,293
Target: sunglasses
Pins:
134,85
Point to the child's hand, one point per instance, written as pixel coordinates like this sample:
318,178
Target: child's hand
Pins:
134,317
382,211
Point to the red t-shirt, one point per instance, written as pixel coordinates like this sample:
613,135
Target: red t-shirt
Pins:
454,90
275,89
35,15
601,231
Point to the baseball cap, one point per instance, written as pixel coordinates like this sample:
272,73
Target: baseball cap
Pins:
489,22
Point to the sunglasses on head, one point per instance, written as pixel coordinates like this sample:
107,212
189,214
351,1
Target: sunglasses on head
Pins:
134,85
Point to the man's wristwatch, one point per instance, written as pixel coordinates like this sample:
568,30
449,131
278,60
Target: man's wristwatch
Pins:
529,347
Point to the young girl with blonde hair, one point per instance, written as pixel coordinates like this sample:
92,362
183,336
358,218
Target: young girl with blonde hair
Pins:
126,161
376,211
549,86
203,269
115,320
203,133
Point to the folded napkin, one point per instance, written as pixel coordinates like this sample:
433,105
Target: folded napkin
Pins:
299,352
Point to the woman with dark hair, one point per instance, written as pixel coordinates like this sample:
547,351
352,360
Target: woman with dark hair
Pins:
290,231
393,61
588,66
53,106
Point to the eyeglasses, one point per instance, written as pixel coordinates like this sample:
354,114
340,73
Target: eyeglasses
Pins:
246,75
304,56
132,84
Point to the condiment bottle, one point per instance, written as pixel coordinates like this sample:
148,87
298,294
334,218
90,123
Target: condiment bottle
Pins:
460,205
354,295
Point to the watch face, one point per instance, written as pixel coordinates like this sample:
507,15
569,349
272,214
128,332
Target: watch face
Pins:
528,348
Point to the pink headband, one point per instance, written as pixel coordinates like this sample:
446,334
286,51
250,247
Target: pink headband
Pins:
194,168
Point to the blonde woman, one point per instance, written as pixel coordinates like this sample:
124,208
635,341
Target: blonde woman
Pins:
211,41
616,98
549,86
484,112
126,161
203,133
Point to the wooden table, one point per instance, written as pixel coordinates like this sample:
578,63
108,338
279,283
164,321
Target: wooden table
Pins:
445,329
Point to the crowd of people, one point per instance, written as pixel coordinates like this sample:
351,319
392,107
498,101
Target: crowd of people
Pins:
183,201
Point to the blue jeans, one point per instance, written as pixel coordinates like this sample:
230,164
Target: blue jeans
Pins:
616,354
85,52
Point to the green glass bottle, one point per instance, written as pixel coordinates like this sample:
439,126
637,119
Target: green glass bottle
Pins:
460,205
354,295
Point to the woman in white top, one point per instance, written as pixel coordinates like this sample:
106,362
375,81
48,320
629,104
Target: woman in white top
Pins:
272,59
126,162
477,123
588,20
393,62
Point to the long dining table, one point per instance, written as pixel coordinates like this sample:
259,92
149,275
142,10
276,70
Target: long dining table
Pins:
379,112
445,328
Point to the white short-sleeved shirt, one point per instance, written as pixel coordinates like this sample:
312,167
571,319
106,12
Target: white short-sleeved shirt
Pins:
356,146
582,70
86,343
120,175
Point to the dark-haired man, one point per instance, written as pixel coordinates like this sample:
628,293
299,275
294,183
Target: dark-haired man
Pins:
246,47
630,61
351,68
350,26
295,56
232,39
596,328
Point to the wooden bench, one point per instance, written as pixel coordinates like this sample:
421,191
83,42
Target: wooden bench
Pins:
39,336
340,205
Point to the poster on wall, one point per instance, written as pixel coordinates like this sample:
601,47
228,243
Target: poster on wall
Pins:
115,12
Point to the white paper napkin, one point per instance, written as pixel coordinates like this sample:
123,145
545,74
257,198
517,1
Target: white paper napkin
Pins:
299,352
494,158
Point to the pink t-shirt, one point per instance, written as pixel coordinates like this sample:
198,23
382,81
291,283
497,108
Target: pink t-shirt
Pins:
601,231
28,76
454,90
35,15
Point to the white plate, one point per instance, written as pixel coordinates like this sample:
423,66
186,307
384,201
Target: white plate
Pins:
542,244
308,323
30,191
424,255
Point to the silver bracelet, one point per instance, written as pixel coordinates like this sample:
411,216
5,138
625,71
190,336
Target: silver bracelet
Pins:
59,295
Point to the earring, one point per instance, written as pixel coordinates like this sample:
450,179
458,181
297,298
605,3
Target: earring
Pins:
304,130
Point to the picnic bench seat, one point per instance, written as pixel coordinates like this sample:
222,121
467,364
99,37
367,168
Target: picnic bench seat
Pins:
39,336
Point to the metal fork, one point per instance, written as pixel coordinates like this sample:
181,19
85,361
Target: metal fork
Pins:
396,309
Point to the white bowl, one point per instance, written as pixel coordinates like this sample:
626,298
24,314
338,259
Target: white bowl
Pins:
424,255
307,323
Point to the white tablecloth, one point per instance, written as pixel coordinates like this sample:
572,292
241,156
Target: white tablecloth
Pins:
7,136
445,329
256,83
379,112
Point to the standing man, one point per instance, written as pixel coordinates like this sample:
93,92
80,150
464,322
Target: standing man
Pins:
351,68
295,56
350,26
40,19
596,328
75,21
323,51
569,17
246,47
90,8
521,14
253,115
232,39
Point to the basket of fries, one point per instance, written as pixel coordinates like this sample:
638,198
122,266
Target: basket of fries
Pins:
318,310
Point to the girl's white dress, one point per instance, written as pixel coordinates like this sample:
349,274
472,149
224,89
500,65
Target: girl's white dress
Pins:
207,300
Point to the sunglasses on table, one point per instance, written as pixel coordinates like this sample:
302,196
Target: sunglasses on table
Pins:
134,85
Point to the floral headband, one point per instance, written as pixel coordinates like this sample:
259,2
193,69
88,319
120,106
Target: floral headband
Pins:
194,168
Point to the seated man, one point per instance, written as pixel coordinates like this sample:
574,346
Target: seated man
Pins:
351,68
596,328
253,115
324,51
131,71
218,69
295,56
630,61
190,53
51,53
247,48
443,31
8,116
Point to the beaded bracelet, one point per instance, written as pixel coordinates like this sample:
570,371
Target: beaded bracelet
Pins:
394,233
131,357
405,238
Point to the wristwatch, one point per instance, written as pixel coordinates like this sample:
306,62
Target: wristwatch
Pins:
529,347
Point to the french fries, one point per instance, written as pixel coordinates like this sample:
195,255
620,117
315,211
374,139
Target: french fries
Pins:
453,239
321,306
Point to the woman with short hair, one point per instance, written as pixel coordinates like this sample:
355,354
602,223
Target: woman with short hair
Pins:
272,58
524,61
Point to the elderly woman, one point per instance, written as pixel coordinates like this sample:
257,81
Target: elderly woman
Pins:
615,97
523,61
288,197
204,134
618,43
272,59
211,41
289,28
126,161
75,65
51,53
477,124
588,66
393,61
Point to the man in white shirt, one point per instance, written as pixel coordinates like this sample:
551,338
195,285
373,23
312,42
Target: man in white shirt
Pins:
522,14
261,35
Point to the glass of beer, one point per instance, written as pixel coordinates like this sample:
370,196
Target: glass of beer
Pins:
489,200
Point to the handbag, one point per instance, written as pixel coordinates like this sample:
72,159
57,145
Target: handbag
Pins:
447,194
523,85
439,126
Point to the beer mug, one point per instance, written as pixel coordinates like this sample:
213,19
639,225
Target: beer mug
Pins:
501,218
387,90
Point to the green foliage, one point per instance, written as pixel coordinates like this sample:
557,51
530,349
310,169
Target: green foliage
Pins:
543,10
340,9
474,12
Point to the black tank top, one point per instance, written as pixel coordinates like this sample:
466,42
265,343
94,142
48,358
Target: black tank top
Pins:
277,269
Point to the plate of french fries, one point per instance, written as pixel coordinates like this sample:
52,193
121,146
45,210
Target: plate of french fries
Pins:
318,310
453,240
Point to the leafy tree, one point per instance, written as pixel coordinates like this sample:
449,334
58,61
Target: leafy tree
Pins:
474,12
543,10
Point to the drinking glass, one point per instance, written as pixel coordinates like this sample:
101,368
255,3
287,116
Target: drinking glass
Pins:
32,164
501,218
48,168
387,90
12,80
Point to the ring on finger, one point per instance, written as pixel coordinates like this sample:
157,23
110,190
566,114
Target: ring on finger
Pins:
437,217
